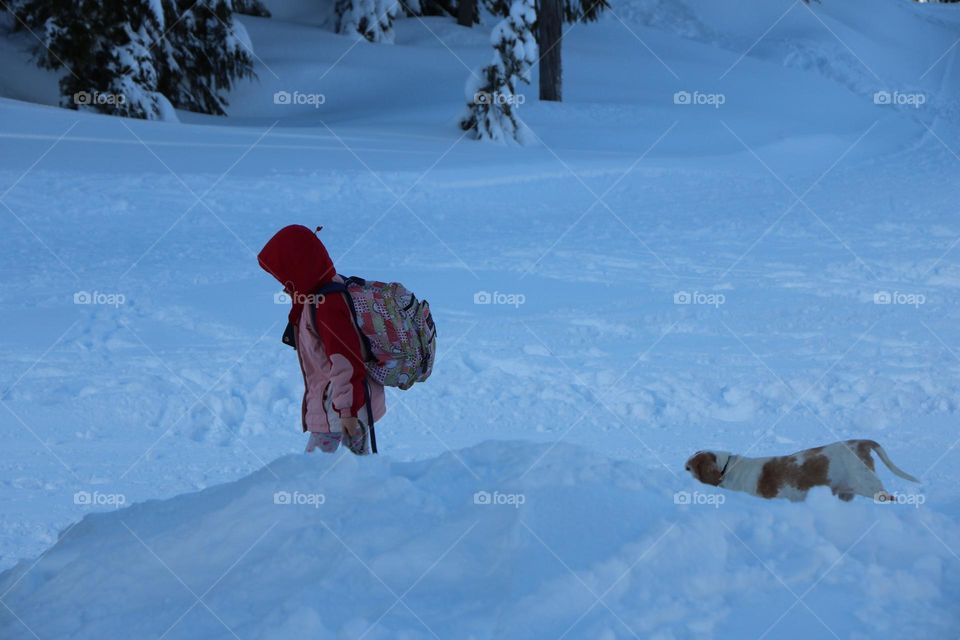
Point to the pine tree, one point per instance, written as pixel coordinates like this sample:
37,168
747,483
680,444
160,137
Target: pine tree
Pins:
120,58
583,10
492,98
105,49
551,15
573,10
251,8
413,8
203,53
369,19
134,79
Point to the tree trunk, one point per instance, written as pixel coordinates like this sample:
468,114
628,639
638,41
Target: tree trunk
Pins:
465,12
551,34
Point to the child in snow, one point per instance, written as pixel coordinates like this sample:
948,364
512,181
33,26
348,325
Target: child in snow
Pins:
339,398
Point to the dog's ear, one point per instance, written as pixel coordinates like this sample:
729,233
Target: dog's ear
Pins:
705,466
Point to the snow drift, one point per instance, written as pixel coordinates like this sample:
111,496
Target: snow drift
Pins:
502,540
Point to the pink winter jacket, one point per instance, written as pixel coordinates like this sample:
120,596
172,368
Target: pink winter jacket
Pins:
323,375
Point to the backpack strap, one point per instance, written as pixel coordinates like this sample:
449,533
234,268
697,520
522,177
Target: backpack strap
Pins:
341,287
332,287
373,433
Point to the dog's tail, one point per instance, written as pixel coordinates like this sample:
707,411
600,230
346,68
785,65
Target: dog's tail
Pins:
894,468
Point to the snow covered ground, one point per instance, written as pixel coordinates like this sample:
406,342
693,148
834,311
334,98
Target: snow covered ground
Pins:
502,540
787,216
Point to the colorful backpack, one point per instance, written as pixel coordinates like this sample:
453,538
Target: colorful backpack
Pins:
398,333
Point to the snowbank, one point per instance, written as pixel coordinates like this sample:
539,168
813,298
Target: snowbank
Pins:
500,540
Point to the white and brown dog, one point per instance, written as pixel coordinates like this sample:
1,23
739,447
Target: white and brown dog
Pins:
846,467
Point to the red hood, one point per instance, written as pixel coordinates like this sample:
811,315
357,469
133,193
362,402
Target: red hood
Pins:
299,261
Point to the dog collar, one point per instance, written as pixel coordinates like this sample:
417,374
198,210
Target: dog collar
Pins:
725,465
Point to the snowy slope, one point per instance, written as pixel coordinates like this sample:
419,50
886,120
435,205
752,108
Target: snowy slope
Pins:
569,544
798,200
